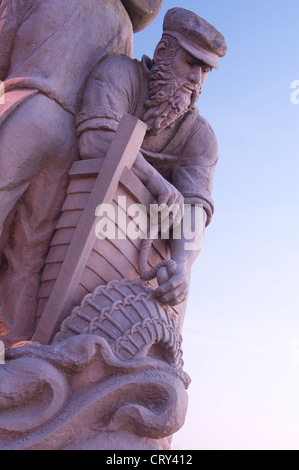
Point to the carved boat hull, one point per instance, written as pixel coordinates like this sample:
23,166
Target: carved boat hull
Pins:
110,259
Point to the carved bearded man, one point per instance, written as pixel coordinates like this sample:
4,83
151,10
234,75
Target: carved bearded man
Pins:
180,144
47,50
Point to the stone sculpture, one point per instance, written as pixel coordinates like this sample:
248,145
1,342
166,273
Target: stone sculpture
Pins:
48,49
100,365
179,143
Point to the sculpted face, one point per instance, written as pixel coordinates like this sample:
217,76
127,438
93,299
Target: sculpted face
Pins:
189,68
175,85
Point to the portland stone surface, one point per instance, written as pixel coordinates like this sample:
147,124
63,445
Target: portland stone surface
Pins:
106,175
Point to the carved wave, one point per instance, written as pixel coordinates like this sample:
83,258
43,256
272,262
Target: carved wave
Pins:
146,396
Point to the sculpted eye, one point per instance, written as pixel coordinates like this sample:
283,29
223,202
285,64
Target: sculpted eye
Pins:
189,61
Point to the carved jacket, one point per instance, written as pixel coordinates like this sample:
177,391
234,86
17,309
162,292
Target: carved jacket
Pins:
186,155
52,45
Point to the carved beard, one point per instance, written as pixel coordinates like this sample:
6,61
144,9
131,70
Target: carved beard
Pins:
170,98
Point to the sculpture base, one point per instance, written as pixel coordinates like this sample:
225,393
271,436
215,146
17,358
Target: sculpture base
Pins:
78,395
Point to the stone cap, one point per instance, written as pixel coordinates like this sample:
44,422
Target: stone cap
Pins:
196,35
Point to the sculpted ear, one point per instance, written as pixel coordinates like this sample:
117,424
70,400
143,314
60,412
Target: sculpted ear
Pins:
160,51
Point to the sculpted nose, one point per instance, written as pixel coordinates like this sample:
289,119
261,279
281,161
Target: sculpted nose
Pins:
195,76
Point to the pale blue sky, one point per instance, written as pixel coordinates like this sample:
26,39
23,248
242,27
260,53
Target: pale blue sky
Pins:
241,333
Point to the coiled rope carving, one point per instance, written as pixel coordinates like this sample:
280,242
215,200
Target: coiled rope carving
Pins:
148,275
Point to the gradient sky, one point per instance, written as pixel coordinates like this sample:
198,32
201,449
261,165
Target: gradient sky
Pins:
241,333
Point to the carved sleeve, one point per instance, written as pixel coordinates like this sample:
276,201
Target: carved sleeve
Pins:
193,174
106,99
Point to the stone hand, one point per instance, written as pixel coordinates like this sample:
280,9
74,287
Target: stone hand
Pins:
173,289
166,194
163,191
